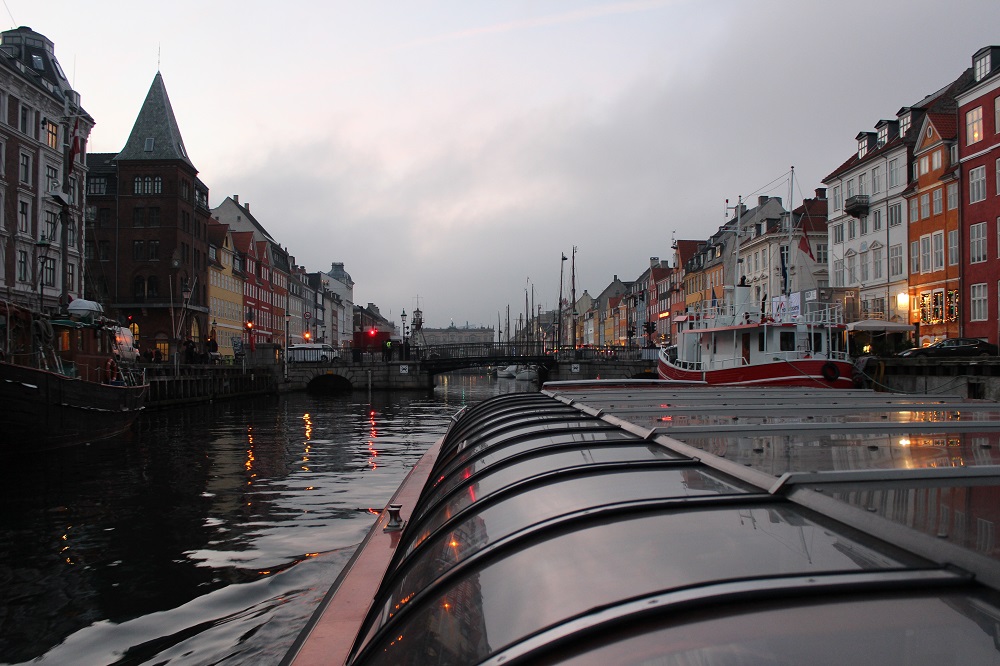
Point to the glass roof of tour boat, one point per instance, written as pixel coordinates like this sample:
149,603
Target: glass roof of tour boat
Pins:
700,525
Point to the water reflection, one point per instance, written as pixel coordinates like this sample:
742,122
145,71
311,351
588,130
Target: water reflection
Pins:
207,533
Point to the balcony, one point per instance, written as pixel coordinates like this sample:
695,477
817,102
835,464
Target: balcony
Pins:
857,206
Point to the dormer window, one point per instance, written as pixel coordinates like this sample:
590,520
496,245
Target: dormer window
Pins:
883,135
862,147
149,145
982,66
904,125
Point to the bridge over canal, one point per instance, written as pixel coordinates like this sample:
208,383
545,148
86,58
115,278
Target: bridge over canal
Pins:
416,367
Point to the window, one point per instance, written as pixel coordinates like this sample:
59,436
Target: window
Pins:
925,205
23,216
154,250
22,265
915,257
937,243
50,225
852,269
850,188
996,115
49,272
974,126
838,203
103,218
936,160
864,267
982,66
838,233
895,260
895,214
148,147
138,217
137,185
953,247
951,305
876,253
863,224
977,243
822,253
977,184
104,250
883,135
925,308
953,150
138,250
863,184
876,180
925,254
157,185
70,279
51,135
938,203
998,172
24,171
877,220
925,165
895,173
952,196
97,185
862,147
838,273
937,306
978,307
51,178
914,210
904,125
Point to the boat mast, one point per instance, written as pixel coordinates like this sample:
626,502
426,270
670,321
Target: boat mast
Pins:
788,253
572,292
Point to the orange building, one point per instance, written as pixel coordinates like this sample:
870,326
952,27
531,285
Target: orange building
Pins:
935,250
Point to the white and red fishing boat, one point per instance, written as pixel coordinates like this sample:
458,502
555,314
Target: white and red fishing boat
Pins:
730,341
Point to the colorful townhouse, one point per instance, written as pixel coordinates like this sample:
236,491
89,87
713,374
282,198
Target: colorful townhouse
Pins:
979,158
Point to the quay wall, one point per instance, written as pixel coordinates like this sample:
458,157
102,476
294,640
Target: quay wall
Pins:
977,378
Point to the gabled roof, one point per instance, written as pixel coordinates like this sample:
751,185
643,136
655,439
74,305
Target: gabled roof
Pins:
155,134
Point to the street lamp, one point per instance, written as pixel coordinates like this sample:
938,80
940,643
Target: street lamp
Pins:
41,261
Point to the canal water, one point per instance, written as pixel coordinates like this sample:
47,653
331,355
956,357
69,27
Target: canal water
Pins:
209,533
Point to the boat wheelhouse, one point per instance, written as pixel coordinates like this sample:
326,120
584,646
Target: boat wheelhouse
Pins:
735,341
643,522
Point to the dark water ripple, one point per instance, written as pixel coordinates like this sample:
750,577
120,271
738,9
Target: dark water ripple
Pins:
209,534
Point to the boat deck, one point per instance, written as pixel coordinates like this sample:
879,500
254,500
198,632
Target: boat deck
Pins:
644,522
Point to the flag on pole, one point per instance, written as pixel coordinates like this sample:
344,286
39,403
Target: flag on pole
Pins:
805,247
74,149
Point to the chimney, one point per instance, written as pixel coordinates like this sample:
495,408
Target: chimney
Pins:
236,199
654,262
247,206
761,200
821,193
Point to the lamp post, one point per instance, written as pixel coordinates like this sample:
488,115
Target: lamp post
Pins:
404,352
41,260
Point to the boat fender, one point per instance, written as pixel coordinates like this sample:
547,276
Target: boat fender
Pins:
830,372
111,367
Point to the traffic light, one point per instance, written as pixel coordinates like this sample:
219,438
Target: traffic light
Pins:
307,336
249,320
372,332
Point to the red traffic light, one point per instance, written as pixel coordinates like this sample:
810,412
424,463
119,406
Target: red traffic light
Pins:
372,332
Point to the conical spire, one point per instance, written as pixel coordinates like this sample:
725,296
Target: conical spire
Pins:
155,135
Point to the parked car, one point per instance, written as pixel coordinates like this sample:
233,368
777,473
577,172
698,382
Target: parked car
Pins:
315,352
953,347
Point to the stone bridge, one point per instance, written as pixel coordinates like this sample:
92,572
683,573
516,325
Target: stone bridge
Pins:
418,366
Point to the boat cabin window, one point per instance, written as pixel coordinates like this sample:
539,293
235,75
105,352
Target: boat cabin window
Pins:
787,341
817,342
761,341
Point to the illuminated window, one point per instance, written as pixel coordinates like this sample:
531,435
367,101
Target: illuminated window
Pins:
974,126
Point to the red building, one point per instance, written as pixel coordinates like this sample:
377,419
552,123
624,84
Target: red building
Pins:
979,154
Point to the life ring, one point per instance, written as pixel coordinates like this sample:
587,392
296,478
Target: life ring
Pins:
111,367
831,372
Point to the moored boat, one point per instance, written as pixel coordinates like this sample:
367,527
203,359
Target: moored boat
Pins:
732,342
647,522
65,380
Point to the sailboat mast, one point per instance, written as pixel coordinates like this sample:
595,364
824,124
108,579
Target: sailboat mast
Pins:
791,185
572,292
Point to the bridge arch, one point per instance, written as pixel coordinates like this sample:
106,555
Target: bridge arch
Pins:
329,383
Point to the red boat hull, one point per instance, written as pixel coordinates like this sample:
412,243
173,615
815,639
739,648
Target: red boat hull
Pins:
803,372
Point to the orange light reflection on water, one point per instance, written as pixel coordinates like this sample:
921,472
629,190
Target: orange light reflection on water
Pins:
372,435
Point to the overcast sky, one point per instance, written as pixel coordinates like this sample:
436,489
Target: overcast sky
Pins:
451,151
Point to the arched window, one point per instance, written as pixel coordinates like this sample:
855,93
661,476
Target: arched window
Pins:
152,287
158,185
137,186
149,185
